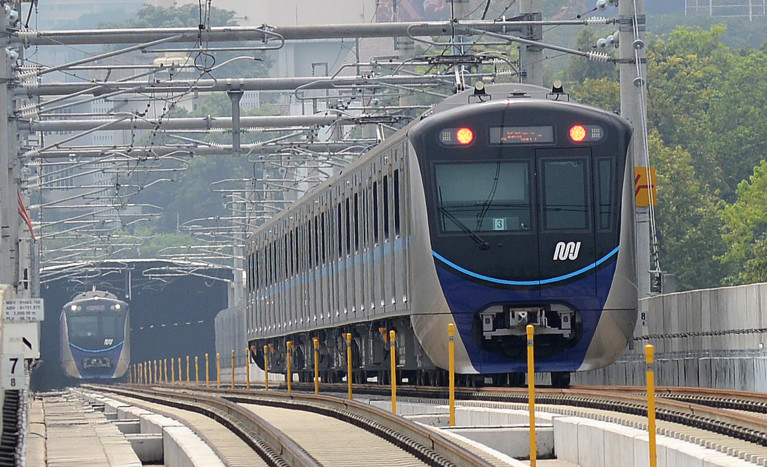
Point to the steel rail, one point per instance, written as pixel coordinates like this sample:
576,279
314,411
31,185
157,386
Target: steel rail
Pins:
697,408
427,445
270,443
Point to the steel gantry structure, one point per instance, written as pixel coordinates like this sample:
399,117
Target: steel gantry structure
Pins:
315,144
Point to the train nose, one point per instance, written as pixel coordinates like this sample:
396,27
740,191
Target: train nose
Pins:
97,362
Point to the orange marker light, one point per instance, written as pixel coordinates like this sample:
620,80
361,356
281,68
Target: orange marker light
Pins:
464,135
577,133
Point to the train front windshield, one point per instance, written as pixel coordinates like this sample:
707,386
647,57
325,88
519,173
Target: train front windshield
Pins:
96,329
506,204
483,197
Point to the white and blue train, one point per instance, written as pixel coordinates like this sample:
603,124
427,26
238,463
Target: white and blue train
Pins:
505,206
95,336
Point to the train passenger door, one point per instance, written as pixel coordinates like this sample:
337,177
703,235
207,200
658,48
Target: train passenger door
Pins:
566,247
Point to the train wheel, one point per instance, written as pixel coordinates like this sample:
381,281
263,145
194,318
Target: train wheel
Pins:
479,381
500,379
560,379
516,379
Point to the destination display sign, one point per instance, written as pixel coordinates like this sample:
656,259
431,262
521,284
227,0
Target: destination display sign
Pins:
521,134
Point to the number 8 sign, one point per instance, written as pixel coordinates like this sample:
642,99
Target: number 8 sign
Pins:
12,372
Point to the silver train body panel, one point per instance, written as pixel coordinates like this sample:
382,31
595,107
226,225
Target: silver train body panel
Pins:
303,277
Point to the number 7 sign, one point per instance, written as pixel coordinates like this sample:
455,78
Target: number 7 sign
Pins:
12,372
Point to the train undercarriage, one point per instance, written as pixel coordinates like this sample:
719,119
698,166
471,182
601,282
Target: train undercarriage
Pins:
370,357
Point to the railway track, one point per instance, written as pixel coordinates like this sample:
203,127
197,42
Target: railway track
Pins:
732,422
305,430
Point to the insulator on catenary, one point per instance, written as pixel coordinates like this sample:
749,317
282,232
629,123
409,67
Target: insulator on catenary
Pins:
597,20
26,75
28,34
598,56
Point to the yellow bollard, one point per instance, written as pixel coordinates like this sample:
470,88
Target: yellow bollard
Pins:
218,370
173,369
247,368
649,351
451,369
316,365
232,368
393,358
349,363
165,370
531,392
180,374
154,371
143,373
197,371
188,383
266,369
289,373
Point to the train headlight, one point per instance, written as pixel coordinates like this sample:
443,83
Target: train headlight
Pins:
464,136
586,133
577,133
456,136
116,306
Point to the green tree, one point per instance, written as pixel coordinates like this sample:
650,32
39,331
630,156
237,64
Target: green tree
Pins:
684,73
603,93
687,219
745,229
175,17
738,111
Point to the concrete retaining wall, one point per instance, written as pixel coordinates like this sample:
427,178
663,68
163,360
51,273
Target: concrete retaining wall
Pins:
710,338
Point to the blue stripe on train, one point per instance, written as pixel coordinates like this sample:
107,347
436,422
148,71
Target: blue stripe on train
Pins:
113,353
466,296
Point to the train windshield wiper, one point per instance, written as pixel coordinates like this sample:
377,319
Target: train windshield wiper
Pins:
483,245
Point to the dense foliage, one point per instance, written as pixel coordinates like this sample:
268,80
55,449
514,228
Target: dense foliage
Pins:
707,108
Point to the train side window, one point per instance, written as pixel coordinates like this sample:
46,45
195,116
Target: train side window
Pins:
297,245
356,222
375,211
316,241
322,232
605,178
339,230
253,270
291,248
310,244
289,253
565,194
386,206
260,266
397,227
348,227
285,272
